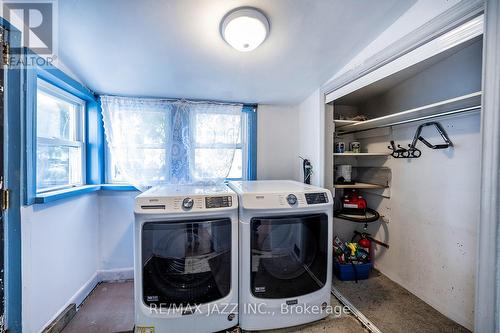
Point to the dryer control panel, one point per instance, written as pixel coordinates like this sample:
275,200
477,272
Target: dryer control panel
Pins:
316,198
281,194
218,202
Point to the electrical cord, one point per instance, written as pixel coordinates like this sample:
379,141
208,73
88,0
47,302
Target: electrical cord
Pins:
307,169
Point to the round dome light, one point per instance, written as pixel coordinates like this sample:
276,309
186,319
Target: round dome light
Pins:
245,28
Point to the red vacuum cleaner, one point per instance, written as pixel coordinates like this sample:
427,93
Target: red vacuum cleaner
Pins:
355,209
353,203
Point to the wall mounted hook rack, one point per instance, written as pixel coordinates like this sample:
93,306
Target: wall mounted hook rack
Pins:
412,151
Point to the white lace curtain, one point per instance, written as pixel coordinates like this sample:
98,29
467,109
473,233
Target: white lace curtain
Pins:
157,141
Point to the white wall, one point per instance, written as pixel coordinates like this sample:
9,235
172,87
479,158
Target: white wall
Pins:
277,142
59,257
311,134
116,237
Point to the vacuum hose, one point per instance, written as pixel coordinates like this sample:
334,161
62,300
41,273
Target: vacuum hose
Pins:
361,219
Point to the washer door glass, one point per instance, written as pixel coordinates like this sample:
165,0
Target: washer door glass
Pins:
289,255
186,263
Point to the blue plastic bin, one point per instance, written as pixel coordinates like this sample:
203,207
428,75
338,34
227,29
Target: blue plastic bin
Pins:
345,272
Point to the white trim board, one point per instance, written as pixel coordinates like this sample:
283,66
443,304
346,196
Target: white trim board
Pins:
110,275
459,35
78,297
487,296
462,12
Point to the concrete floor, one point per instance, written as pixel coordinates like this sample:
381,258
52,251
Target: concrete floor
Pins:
345,323
110,309
393,309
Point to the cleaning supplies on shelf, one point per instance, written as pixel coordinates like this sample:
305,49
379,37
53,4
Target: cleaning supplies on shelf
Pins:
340,147
343,174
355,147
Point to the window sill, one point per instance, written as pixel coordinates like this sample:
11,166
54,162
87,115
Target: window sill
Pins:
117,187
65,193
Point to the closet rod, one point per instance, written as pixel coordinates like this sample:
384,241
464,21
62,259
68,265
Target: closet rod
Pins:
461,104
465,111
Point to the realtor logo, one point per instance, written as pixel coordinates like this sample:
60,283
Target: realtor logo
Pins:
37,22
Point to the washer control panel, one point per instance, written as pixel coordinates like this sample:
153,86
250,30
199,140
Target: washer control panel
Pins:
316,198
185,204
218,202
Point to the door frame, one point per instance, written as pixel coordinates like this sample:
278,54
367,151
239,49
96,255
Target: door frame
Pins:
487,302
12,174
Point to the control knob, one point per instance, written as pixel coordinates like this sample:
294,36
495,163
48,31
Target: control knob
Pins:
187,203
291,199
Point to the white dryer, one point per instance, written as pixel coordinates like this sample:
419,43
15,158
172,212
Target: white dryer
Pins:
285,253
186,259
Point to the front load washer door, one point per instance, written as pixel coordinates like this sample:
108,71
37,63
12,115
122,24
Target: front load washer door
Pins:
288,255
186,263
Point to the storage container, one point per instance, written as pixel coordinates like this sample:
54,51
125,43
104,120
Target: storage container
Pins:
352,272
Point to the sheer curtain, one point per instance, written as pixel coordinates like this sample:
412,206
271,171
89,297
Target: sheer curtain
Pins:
158,141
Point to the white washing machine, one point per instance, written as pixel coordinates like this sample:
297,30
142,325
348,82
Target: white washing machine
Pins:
285,253
186,259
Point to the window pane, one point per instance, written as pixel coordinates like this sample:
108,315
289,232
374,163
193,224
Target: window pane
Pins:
217,128
58,166
60,138
142,128
237,166
145,162
115,176
56,118
210,163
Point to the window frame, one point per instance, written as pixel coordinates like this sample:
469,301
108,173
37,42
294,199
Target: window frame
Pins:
92,132
79,142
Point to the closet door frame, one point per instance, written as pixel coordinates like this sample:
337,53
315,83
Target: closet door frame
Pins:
487,303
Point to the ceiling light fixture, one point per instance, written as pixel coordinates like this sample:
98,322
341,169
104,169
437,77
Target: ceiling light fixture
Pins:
244,28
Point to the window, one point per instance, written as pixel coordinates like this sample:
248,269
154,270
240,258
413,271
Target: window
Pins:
59,137
216,129
150,144
147,141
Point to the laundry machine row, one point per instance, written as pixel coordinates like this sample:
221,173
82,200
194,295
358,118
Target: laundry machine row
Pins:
208,258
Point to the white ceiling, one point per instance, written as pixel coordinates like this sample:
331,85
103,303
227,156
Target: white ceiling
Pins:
173,48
